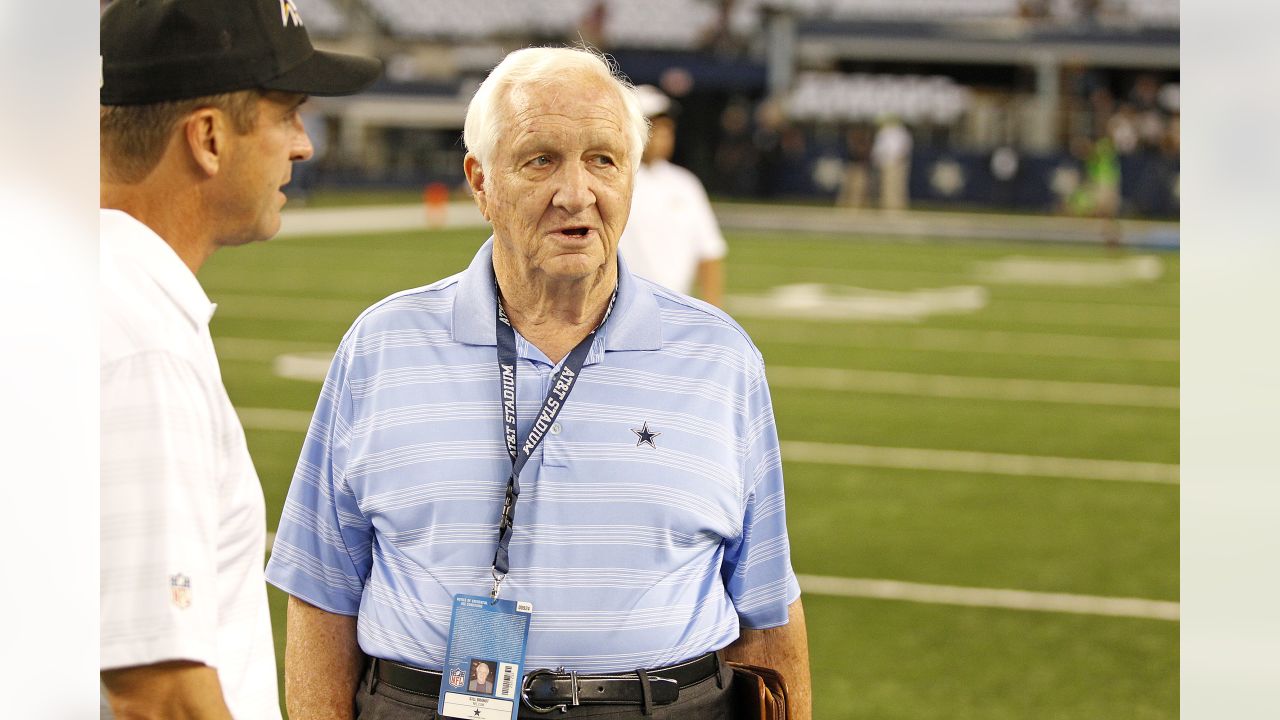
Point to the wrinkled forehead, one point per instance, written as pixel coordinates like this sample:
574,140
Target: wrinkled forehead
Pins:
585,103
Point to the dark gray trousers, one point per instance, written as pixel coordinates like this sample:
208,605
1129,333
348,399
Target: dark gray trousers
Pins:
703,701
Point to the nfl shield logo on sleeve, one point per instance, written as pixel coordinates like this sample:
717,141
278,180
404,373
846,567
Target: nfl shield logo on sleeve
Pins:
180,591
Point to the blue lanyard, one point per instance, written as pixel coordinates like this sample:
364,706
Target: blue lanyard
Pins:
551,406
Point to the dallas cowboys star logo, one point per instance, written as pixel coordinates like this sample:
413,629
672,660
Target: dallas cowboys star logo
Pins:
646,435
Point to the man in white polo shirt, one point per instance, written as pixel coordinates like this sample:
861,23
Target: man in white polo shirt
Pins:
199,131
672,236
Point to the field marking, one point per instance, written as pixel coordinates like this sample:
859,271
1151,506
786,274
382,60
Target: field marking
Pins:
237,348
974,597
992,342
764,217
374,218
1025,270
846,222
807,301
922,339
1091,347
871,456
983,463
286,307
314,366
974,388
274,419
1089,315
990,597
822,301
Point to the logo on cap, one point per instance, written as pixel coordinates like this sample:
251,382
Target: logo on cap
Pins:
289,11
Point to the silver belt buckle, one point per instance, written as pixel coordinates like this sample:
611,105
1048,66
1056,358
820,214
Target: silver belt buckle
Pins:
528,683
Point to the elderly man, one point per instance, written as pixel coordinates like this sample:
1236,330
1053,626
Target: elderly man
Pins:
549,429
199,132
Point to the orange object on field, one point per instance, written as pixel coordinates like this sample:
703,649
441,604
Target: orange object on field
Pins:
436,199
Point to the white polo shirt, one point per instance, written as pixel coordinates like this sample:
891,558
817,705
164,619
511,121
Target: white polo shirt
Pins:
671,227
183,519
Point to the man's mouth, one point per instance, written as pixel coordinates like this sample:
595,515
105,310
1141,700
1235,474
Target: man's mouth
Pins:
575,231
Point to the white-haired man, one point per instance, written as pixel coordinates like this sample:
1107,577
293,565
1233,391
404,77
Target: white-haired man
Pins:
547,428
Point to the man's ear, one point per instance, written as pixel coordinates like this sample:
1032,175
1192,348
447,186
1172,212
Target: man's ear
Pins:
205,132
475,180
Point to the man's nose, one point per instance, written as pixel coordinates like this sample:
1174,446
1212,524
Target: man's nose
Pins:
574,193
302,149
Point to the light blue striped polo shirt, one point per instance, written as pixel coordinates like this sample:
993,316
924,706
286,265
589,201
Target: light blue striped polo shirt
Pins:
632,556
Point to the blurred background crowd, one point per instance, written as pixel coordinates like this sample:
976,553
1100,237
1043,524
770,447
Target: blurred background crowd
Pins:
1030,105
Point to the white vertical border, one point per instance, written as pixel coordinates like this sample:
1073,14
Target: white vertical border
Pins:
48,357
1231,360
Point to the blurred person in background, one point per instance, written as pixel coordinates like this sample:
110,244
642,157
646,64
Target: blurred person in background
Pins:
1098,195
857,167
1102,174
651,531
308,174
672,236
891,156
199,131
737,159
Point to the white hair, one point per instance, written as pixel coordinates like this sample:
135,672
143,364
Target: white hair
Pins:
544,65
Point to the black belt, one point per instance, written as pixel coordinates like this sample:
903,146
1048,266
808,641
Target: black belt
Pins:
546,690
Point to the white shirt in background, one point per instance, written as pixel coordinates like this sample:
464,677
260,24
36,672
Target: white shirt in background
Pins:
892,144
671,227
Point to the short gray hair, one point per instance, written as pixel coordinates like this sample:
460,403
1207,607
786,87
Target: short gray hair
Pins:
543,65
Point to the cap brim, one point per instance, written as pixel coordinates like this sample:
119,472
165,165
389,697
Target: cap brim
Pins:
328,74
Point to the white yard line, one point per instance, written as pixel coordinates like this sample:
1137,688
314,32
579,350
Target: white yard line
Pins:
373,218
975,597
994,342
899,307
274,419
284,307
979,462
312,364
990,597
870,456
744,216
975,388
235,348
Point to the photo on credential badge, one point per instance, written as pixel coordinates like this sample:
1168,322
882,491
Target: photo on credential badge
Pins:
481,677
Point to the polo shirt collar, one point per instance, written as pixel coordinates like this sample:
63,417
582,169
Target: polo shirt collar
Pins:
130,238
635,323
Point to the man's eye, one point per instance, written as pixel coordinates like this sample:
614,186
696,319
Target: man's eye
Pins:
604,160
540,161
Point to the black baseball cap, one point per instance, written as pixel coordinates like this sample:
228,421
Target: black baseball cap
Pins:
161,50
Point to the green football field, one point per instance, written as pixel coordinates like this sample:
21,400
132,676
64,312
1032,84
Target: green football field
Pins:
980,444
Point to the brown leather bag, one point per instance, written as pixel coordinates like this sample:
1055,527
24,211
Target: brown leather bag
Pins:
759,693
